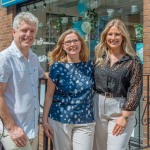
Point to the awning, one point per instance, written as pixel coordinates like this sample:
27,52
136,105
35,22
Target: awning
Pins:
7,3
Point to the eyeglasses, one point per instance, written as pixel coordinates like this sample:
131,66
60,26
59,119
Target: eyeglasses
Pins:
68,43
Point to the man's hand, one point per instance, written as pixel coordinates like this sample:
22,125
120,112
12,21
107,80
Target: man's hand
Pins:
18,136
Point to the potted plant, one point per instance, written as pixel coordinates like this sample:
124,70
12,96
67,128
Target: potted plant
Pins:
139,31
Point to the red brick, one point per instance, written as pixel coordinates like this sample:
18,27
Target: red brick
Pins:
146,46
146,41
146,2
146,12
6,27
146,6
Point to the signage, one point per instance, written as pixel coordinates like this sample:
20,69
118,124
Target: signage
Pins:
139,51
7,3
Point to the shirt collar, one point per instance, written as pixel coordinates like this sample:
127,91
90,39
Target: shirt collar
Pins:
125,58
17,52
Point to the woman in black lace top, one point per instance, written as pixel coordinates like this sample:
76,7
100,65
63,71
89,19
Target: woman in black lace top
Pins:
118,88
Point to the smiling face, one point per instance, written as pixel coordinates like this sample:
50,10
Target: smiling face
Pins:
114,38
24,35
72,45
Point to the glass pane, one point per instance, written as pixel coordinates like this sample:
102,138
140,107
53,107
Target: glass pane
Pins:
89,17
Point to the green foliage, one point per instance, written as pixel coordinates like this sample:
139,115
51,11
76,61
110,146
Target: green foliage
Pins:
139,31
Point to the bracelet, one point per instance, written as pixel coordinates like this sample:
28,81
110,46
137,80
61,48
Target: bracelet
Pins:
44,124
125,117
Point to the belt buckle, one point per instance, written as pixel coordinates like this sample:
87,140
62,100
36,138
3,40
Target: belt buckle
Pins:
107,94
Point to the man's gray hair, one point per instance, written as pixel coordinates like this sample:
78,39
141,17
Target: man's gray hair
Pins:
27,17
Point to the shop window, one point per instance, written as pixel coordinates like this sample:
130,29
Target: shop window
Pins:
89,17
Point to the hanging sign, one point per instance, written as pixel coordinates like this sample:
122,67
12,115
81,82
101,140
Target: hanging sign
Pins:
139,51
7,3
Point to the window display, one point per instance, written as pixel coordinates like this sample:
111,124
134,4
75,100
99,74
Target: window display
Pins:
88,17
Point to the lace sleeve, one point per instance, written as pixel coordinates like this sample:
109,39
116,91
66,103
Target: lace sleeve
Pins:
136,83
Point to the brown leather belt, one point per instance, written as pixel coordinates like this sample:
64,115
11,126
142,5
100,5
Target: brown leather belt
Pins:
108,94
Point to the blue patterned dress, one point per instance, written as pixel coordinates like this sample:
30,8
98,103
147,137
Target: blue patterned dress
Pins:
72,100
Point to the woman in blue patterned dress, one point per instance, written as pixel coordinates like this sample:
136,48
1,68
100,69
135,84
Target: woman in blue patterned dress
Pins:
68,109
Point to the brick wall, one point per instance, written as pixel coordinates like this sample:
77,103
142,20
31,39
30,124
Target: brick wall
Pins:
41,139
6,16
146,41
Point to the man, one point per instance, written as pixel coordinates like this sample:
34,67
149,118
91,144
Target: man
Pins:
19,75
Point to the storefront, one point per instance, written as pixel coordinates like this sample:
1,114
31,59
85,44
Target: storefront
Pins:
87,16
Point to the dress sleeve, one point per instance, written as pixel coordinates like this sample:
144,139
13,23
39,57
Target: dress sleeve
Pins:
54,72
136,83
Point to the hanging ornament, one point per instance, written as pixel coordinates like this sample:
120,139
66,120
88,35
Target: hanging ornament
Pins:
77,27
82,7
93,4
86,27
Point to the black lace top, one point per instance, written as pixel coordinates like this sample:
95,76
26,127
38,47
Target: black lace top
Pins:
124,78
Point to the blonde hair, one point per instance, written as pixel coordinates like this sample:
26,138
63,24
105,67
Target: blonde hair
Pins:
102,48
59,55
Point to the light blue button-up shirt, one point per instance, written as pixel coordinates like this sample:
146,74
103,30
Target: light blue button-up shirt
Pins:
21,95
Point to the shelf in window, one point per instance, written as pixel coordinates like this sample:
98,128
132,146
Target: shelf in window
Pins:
45,43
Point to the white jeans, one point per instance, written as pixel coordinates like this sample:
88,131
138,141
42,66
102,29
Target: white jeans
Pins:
72,136
106,111
32,144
